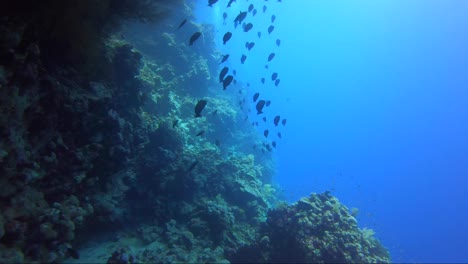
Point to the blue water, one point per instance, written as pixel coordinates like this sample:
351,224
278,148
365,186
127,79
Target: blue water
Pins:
376,97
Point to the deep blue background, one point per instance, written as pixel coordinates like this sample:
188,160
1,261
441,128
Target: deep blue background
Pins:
376,97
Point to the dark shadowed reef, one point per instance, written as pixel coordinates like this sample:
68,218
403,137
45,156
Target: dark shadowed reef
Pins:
99,156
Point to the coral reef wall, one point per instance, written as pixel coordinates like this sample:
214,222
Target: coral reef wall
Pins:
98,138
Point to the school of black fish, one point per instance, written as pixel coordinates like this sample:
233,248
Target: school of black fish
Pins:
242,19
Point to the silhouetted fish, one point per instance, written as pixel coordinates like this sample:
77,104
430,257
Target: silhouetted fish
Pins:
175,122
278,42
273,144
251,7
225,57
284,122
243,58
192,166
223,73
227,81
273,18
227,37
224,16
264,119
251,45
274,76
270,29
212,2
194,37
199,107
260,106
268,103
262,80
255,97
239,18
200,133
277,82
271,56
234,72
181,24
248,27
265,133
230,3
259,34
276,120
264,8
254,12
214,112
256,123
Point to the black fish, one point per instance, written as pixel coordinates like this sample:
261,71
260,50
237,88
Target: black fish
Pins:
273,144
254,12
251,45
255,97
260,106
278,42
271,56
225,57
234,72
200,133
239,18
182,23
259,34
227,37
256,123
265,133
73,253
270,29
174,123
268,103
276,120
284,122
199,107
277,82
273,17
266,66
274,76
248,27
230,2
227,81
223,73
193,166
279,135
262,80
194,37
264,9
243,58
212,2
264,119
251,7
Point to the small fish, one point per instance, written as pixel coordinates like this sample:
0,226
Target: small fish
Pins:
273,144
230,3
182,24
264,9
278,42
262,80
243,58
277,82
266,66
268,103
254,12
194,37
174,123
284,122
271,56
273,18
224,17
200,133
259,34
276,120
215,112
260,106
239,18
223,73
270,29
255,97
265,133
279,135
227,36
251,45
234,72
256,123
212,2
227,81
247,27
264,119
199,107
192,166
251,7
274,76
225,58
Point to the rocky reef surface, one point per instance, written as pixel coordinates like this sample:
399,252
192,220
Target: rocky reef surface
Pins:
100,162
